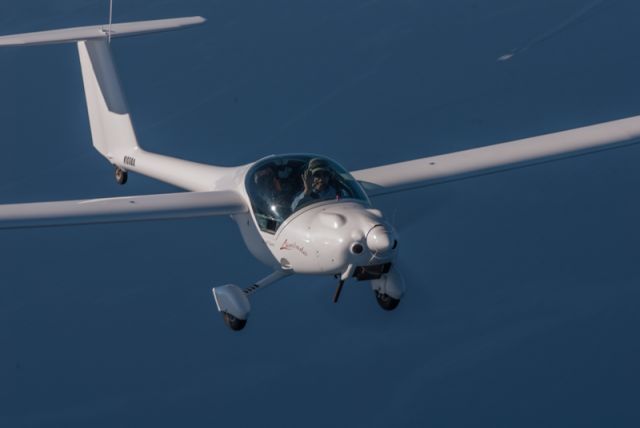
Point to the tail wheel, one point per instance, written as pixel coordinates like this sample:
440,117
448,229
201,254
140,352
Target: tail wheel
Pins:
235,324
121,176
387,302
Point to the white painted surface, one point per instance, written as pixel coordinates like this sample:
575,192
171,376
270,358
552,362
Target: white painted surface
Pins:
99,31
111,128
121,209
313,245
499,157
231,299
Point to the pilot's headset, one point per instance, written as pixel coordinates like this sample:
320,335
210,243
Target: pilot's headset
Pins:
317,165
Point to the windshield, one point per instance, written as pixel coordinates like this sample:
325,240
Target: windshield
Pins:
280,185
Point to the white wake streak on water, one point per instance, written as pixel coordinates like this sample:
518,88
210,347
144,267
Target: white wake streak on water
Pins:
567,23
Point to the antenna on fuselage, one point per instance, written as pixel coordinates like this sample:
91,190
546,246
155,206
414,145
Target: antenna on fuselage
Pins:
110,20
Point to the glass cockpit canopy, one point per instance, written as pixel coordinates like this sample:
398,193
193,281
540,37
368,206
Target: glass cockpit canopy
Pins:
278,186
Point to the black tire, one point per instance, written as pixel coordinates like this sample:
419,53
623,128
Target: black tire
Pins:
387,302
121,176
235,324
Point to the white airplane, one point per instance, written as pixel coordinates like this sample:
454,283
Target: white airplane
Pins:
297,213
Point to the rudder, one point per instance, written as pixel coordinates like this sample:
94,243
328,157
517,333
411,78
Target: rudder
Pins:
111,127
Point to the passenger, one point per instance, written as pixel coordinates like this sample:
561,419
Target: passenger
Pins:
270,189
317,181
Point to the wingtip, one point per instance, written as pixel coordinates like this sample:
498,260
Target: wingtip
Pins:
199,19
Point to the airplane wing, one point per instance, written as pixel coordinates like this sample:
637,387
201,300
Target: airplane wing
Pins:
121,209
432,170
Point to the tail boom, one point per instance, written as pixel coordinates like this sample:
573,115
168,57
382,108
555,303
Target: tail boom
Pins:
112,130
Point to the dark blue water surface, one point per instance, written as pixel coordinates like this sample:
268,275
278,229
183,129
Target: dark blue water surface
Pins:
522,308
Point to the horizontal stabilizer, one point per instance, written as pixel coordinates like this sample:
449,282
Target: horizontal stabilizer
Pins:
121,209
99,31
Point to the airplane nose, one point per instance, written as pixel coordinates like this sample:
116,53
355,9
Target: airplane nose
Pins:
380,240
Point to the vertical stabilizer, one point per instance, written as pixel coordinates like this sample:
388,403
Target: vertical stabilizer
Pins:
111,127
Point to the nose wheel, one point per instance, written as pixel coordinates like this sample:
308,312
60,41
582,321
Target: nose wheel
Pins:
386,302
121,176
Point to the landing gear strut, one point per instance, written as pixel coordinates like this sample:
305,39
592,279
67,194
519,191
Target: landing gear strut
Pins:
121,176
336,295
233,301
343,277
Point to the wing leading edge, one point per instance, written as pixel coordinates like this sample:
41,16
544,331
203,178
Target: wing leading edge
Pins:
498,157
121,209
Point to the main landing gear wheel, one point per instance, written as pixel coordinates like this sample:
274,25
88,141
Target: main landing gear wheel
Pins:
387,302
235,324
121,176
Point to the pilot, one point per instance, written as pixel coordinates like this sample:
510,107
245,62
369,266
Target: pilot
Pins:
317,180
